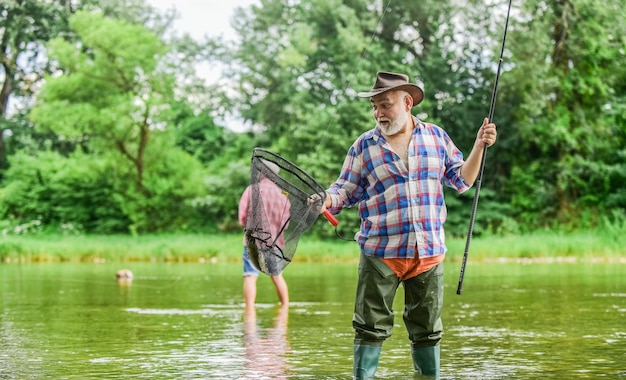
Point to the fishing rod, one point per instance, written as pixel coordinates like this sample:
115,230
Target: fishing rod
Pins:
492,107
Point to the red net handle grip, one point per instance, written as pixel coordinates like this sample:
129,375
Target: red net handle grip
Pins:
331,218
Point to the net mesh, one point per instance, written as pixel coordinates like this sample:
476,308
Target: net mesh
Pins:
280,210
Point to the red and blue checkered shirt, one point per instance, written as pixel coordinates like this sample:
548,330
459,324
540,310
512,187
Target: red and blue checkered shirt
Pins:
401,208
272,202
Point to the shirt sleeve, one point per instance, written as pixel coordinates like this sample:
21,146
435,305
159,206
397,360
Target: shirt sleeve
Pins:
452,175
348,189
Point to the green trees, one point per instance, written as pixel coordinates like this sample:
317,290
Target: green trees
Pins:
110,97
115,132
25,26
73,193
299,65
567,97
560,105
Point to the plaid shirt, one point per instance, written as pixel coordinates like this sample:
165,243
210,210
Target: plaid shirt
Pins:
273,203
400,209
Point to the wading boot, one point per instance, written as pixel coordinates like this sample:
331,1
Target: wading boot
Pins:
426,362
365,361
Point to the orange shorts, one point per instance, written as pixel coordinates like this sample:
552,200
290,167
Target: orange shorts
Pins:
411,267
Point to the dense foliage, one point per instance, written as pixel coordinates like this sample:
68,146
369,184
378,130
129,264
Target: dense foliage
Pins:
115,132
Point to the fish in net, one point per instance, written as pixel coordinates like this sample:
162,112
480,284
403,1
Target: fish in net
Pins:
284,202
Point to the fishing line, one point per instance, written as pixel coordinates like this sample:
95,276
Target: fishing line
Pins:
348,85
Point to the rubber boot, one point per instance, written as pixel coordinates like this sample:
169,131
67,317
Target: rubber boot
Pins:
426,361
365,361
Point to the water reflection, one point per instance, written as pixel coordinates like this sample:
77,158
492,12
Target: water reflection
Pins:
67,321
266,349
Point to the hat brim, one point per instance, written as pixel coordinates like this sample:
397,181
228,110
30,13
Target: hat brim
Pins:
416,92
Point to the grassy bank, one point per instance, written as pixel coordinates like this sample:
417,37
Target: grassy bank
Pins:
579,246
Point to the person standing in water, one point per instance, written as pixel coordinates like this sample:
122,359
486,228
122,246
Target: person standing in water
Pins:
395,173
274,201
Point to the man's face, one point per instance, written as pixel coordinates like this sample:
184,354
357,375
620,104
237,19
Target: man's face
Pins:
390,110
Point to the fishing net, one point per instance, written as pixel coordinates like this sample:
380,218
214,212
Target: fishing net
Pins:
281,209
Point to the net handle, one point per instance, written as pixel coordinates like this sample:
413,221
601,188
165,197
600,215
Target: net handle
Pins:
331,218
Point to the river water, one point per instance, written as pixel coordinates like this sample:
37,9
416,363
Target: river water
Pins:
187,321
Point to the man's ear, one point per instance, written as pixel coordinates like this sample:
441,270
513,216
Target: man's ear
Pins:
408,102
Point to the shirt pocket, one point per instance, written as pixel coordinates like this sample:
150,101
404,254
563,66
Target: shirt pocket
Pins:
431,168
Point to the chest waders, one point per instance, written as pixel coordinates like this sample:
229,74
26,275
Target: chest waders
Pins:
374,316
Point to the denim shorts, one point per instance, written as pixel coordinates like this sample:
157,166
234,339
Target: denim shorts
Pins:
248,268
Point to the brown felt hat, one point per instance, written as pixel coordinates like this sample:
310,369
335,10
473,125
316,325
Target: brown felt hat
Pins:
386,81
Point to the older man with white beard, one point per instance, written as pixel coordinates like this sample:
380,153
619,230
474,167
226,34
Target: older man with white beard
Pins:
395,173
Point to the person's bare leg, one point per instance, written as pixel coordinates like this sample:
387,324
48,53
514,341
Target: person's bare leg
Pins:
249,290
282,315
281,289
249,319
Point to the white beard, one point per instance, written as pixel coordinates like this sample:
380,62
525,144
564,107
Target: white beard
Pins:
396,125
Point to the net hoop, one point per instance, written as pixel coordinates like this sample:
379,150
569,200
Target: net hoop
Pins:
285,164
285,201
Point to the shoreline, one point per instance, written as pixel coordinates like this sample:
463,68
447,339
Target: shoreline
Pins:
538,247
